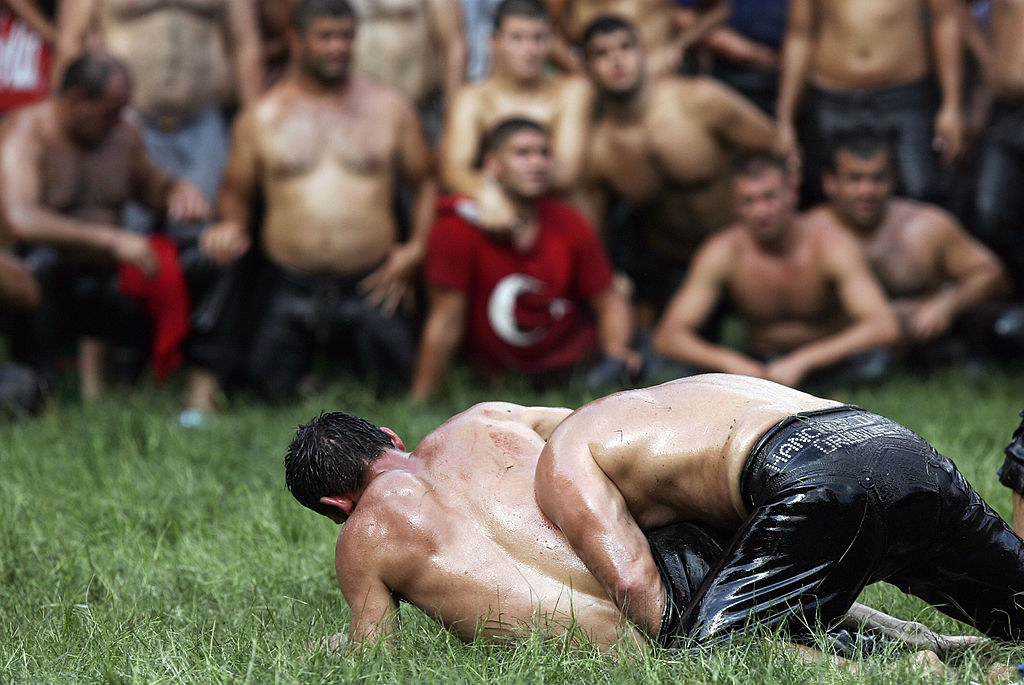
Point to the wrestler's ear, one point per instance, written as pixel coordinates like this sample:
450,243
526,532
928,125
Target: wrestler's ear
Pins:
344,503
395,440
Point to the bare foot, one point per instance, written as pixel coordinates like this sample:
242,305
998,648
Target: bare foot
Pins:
947,645
1001,673
928,662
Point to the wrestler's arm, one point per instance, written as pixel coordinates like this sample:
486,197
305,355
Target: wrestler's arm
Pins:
695,27
948,48
872,321
796,62
582,501
26,219
29,13
569,133
975,272
244,32
74,18
461,143
442,333
373,605
676,335
447,21
735,119
229,239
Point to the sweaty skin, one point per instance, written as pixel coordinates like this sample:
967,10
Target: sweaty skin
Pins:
414,46
185,54
642,459
459,534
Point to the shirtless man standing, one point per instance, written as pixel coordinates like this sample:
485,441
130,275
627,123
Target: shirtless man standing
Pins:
998,201
811,304
416,47
518,86
68,165
454,528
325,146
821,499
868,62
664,145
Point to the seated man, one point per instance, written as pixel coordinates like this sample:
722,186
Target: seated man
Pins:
68,165
325,146
21,391
821,499
454,528
520,303
812,306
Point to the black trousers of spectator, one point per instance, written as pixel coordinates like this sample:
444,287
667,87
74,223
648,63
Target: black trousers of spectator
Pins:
998,200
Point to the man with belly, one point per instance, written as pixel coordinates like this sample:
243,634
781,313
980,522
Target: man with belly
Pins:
868,62
664,145
416,47
325,146
814,313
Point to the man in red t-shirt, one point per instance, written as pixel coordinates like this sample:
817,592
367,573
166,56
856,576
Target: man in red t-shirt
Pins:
536,298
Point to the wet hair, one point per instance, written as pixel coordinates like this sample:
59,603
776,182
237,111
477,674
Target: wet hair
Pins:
862,142
308,10
602,26
329,455
756,164
91,73
506,128
533,9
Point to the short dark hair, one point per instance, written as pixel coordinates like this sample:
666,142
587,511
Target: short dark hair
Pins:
860,141
533,9
308,10
91,73
602,26
329,455
506,128
756,164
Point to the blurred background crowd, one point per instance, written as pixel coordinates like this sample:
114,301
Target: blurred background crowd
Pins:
616,191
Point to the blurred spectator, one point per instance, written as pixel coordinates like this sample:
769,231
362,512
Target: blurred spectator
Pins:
67,167
324,147
745,50
815,314
517,86
275,19
664,145
999,202
416,46
479,25
867,62
942,281
519,301
21,391
26,38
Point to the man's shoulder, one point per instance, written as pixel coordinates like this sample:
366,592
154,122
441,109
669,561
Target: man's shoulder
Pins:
564,217
924,218
389,510
29,122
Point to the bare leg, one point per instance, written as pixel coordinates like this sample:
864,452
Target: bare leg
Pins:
1018,514
203,387
91,356
916,635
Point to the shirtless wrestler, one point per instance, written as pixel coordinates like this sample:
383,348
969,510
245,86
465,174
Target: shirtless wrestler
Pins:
518,86
454,528
67,167
820,498
664,145
416,47
325,146
812,307
1000,172
868,62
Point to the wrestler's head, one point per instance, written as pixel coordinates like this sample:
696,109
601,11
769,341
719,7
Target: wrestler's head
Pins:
764,196
859,177
522,39
614,56
93,94
326,466
517,153
323,39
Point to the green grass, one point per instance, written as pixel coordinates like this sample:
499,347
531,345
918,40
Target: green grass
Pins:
134,550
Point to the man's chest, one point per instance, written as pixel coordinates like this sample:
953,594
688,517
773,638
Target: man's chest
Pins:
73,179
766,288
303,140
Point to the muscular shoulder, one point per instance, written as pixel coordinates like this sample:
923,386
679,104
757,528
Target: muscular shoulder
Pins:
927,221
381,99
724,248
690,91
30,124
392,512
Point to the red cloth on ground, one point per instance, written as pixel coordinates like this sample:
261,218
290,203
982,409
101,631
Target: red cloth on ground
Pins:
165,296
527,311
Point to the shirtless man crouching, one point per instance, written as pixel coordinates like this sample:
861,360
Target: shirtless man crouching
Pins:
664,145
453,527
325,146
820,498
815,314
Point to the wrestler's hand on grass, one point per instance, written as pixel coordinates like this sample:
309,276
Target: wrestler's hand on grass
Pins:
788,370
224,243
390,284
134,249
186,202
948,140
931,318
